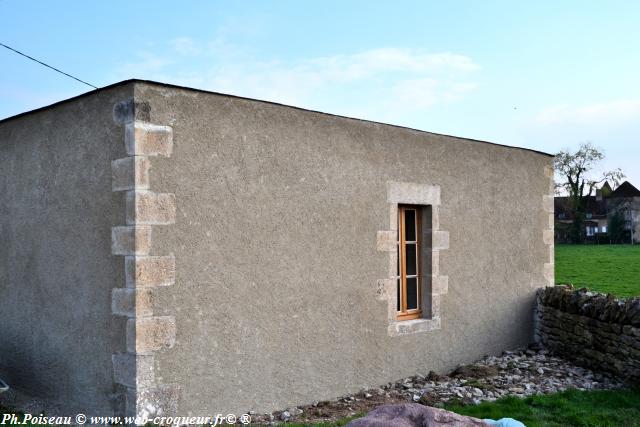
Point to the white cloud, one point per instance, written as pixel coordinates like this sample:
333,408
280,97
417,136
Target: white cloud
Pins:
426,92
398,77
148,64
185,46
375,61
613,125
612,112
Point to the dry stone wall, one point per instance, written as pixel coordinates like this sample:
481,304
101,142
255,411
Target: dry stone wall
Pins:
595,330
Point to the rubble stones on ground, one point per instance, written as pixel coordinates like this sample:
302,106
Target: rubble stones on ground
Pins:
520,373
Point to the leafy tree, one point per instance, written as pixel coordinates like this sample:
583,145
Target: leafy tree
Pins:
616,227
576,173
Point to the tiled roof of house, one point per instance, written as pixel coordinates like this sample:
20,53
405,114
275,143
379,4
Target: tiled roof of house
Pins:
625,190
595,208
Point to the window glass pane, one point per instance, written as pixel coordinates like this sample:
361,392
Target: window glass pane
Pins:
411,259
412,293
398,294
398,260
410,225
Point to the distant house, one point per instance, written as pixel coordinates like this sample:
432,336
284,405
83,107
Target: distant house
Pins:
624,200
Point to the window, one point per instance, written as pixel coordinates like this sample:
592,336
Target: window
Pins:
413,286
589,215
408,283
604,228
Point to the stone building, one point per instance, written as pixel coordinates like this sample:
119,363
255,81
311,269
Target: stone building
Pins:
169,250
599,210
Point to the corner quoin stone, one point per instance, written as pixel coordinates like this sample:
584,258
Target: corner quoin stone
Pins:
130,110
547,203
549,273
152,401
144,139
132,302
148,334
130,173
131,240
149,270
147,207
133,370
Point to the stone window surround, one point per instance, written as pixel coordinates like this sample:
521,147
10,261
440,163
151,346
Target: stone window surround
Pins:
399,193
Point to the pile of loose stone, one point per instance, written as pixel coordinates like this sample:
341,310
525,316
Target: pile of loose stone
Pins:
518,373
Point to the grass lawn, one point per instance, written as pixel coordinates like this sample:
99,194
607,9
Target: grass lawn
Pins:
611,269
571,408
601,408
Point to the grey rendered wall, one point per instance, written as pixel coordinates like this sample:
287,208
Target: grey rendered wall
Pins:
278,209
57,332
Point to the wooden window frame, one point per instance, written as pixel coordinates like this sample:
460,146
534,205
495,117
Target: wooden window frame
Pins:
403,313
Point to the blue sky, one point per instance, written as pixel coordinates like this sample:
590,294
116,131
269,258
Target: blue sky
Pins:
542,75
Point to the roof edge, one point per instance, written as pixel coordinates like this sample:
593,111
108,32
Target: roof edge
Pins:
67,100
169,85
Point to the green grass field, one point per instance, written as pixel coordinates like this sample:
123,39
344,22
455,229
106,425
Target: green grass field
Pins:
602,408
611,269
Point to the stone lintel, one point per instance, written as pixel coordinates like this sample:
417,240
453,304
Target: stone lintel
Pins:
413,193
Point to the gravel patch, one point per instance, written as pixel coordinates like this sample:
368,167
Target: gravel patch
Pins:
520,373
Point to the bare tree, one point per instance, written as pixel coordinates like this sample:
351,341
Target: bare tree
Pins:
575,173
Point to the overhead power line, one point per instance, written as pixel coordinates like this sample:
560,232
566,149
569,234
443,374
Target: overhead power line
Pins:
47,65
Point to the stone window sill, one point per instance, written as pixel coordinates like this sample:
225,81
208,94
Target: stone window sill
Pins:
407,327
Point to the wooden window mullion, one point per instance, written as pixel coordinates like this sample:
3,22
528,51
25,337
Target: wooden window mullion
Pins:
404,313
403,263
418,259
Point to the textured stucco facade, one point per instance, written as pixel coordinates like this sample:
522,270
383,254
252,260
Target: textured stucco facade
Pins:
239,254
57,331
